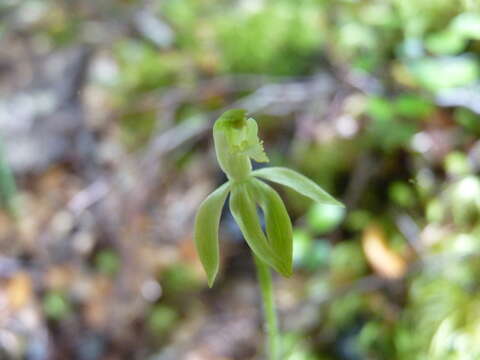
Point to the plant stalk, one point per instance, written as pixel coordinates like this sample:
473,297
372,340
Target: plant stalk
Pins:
270,315
8,189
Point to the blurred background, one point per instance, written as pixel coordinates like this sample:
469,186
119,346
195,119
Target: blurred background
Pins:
106,110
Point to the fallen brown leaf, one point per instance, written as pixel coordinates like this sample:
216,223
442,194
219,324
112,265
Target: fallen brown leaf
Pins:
380,256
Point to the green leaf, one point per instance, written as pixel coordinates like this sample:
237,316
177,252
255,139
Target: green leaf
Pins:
455,71
468,25
206,230
380,109
324,218
277,221
8,189
56,305
297,182
244,211
413,106
468,120
446,42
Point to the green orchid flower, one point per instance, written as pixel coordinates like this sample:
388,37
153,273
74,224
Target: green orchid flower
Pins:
236,144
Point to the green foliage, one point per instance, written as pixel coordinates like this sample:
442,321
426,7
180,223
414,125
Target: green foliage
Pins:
248,43
324,218
107,262
468,120
442,312
402,194
142,68
309,253
445,42
387,129
56,305
296,348
161,319
343,311
137,128
179,279
375,338
8,188
358,219
457,164
347,261
243,40
456,71
463,198
412,106
467,25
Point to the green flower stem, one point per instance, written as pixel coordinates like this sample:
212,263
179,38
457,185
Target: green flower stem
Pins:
270,315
